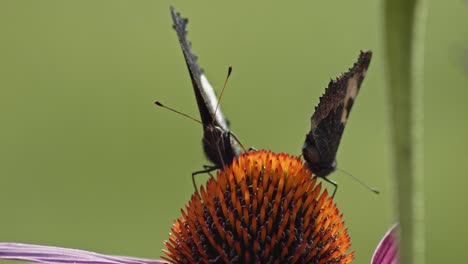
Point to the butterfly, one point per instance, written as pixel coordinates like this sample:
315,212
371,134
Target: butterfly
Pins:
219,143
327,122
329,119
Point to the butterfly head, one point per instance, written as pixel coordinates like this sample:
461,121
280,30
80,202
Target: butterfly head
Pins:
323,170
315,161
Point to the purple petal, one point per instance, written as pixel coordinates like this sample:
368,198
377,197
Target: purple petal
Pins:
58,255
387,250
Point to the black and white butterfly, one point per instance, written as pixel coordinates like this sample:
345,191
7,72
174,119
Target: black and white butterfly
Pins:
219,144
329,119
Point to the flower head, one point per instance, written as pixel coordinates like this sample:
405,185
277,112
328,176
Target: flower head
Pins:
263,208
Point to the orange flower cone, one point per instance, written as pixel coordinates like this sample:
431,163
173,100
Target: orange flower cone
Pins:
263,208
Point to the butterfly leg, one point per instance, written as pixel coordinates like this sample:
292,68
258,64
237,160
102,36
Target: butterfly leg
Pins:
335,185
252,149
207,169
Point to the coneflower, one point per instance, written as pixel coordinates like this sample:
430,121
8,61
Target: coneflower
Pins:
263,208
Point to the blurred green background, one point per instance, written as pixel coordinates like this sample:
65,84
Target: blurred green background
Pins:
87,161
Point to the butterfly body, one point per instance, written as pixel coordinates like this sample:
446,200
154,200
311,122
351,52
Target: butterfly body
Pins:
330,116
218,145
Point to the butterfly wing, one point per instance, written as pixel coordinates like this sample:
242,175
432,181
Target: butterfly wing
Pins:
330,117
218,144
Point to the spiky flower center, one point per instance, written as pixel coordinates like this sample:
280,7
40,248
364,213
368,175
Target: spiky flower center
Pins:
263,208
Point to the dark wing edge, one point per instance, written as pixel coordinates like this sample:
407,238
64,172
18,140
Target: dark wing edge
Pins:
204,92
332,112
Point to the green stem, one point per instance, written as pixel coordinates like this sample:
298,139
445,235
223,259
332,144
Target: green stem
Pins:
404,40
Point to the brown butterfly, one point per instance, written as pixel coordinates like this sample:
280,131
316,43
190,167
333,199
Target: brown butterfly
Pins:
219,144
330,117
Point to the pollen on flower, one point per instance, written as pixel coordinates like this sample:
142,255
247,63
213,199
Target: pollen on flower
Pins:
263,208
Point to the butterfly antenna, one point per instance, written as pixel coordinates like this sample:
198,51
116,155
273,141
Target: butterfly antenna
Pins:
219,101
359,181
222,91
177,112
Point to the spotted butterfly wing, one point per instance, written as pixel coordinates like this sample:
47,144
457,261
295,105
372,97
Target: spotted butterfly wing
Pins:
330,117
218,142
